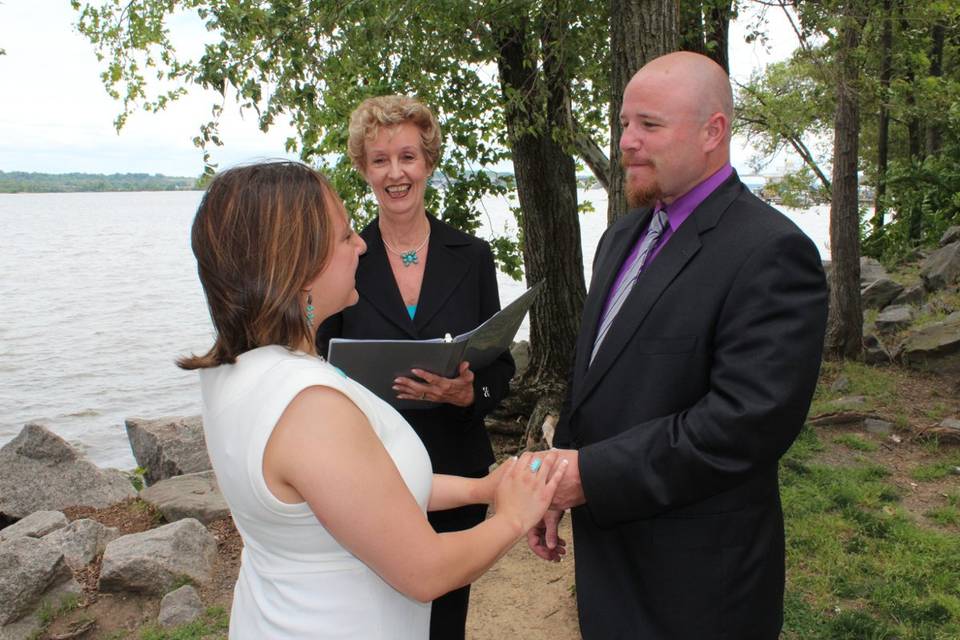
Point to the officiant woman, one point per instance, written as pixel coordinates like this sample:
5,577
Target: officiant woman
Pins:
421,278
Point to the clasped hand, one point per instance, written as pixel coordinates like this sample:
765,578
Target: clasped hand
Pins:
456,391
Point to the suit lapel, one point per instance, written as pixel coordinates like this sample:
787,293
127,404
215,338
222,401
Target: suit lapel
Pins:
445,270
604,273
376,283
671,260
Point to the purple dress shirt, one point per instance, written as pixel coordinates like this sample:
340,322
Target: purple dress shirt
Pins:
678,211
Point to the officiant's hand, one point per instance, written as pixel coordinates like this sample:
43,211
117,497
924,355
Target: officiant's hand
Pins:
543,539
456,391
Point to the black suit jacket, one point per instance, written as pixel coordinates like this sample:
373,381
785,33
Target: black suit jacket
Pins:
459,292
702,383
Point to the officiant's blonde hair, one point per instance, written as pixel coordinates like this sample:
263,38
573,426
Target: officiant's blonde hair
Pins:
373,114
261,233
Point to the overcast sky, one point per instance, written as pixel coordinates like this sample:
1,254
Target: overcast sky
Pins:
56,117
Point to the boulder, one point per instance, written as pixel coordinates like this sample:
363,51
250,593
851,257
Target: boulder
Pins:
168,447
194,495
874,351
912,294
894,318
877,426
879,293
31,570
870,271
180,607
81,541
942,268
40,471
935,347
35,525
950,236
153,561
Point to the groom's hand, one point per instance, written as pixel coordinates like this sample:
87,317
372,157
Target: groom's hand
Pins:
543,539
570,491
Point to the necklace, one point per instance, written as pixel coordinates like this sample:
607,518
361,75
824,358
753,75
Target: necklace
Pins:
408,257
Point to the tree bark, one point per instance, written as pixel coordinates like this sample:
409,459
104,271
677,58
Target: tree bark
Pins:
547,190
691,26
935,128
845,319
640,30
716,29
883,126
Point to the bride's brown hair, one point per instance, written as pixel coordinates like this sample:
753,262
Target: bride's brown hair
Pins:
261,233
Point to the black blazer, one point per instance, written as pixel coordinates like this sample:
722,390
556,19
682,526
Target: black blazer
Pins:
702,383
459,292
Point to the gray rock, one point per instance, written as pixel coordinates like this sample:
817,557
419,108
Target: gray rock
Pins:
880,293
935,347
30,570
40,471
180,607
870,271
912,294
168,447
82,541
942,268
194,495
874,351
874,425
950,423
841,384
950,236
894,318
35,525
153,561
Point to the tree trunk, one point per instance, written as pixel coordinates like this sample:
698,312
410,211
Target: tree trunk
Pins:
640,30
935,128
845,320
716,29
883,126
691,26
547,190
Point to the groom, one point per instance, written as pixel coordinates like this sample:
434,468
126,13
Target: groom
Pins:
698,354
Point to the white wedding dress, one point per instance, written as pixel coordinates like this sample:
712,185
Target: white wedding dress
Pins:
296,581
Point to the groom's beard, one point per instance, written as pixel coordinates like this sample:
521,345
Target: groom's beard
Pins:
641,193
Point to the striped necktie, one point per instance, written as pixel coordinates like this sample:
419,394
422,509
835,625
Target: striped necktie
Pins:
654,231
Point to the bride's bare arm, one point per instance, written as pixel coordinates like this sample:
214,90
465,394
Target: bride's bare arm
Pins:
339,467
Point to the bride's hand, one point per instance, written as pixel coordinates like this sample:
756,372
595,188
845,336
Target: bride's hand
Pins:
527,487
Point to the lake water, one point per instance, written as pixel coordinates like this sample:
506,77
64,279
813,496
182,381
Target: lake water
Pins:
100,295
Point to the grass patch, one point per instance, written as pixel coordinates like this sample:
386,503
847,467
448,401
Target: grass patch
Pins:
946,515
212,624
938,306
47,612
873,383
936,470
858,567
855,442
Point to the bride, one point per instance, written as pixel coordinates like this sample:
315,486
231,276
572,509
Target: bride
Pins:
327,484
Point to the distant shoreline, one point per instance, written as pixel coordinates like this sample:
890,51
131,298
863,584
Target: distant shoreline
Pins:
33,182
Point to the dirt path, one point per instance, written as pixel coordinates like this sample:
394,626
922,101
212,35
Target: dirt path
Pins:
525,597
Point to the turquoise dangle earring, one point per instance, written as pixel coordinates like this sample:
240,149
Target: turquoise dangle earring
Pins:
310,313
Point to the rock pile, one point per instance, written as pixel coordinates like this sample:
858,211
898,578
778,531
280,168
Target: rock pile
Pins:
43,552
892,336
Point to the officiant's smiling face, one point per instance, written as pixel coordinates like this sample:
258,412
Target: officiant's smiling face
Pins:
334,288
397,170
